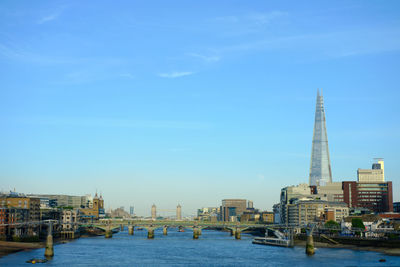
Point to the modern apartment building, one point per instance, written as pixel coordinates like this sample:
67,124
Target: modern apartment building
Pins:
302,212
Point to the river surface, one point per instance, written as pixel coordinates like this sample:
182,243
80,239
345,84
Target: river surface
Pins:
213,248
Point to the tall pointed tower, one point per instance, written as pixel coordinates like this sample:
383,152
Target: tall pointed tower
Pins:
320,167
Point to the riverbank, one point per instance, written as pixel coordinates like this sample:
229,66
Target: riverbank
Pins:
384,250
7,247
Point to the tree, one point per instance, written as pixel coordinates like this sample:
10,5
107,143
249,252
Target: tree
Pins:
357,223
331,224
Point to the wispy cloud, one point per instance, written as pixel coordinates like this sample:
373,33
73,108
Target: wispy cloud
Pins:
175,74
48,18
205,58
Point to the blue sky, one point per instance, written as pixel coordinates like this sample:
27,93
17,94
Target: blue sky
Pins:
171,102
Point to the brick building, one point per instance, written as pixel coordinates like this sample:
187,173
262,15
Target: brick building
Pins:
375,196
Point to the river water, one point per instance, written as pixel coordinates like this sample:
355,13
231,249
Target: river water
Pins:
213,248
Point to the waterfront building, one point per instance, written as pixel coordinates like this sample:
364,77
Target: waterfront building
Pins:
22,209
320,167
232,209
69,223
277,213
97,210
179,212
153,212
208,214
267,217
376,174
11,217
370,221
291,192
375,196
396,206
250,215
75,202
69,219
304,211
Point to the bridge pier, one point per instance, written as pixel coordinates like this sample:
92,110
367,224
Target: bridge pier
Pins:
196,233
238,234
49,251
232,232
165,229
150,233
130,229
121,227
109,232
310,245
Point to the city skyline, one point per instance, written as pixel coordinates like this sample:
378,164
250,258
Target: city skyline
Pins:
191,104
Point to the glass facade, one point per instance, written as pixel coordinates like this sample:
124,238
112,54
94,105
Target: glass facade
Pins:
320,167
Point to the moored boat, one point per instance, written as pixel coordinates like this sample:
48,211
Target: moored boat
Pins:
279,239
272,241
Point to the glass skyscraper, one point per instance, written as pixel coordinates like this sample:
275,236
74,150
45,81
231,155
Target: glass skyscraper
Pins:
320,167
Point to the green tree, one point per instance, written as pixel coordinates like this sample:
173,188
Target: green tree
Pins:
331,224
357,224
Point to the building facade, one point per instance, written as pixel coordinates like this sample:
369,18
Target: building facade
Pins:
375,196
376,174
97,209
232,209
302,212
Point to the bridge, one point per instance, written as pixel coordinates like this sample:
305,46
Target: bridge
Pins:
110,225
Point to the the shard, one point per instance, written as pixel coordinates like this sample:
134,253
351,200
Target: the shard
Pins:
320,167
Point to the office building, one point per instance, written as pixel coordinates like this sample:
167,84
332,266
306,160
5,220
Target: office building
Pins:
320,167
376,174
232,209
375,196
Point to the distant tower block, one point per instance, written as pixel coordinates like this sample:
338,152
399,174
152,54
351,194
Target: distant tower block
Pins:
153,212
179,212
320,167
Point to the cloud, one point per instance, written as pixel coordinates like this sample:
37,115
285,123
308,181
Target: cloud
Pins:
175,74
48,18
205,58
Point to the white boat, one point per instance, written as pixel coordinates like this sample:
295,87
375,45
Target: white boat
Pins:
279,240
272,241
